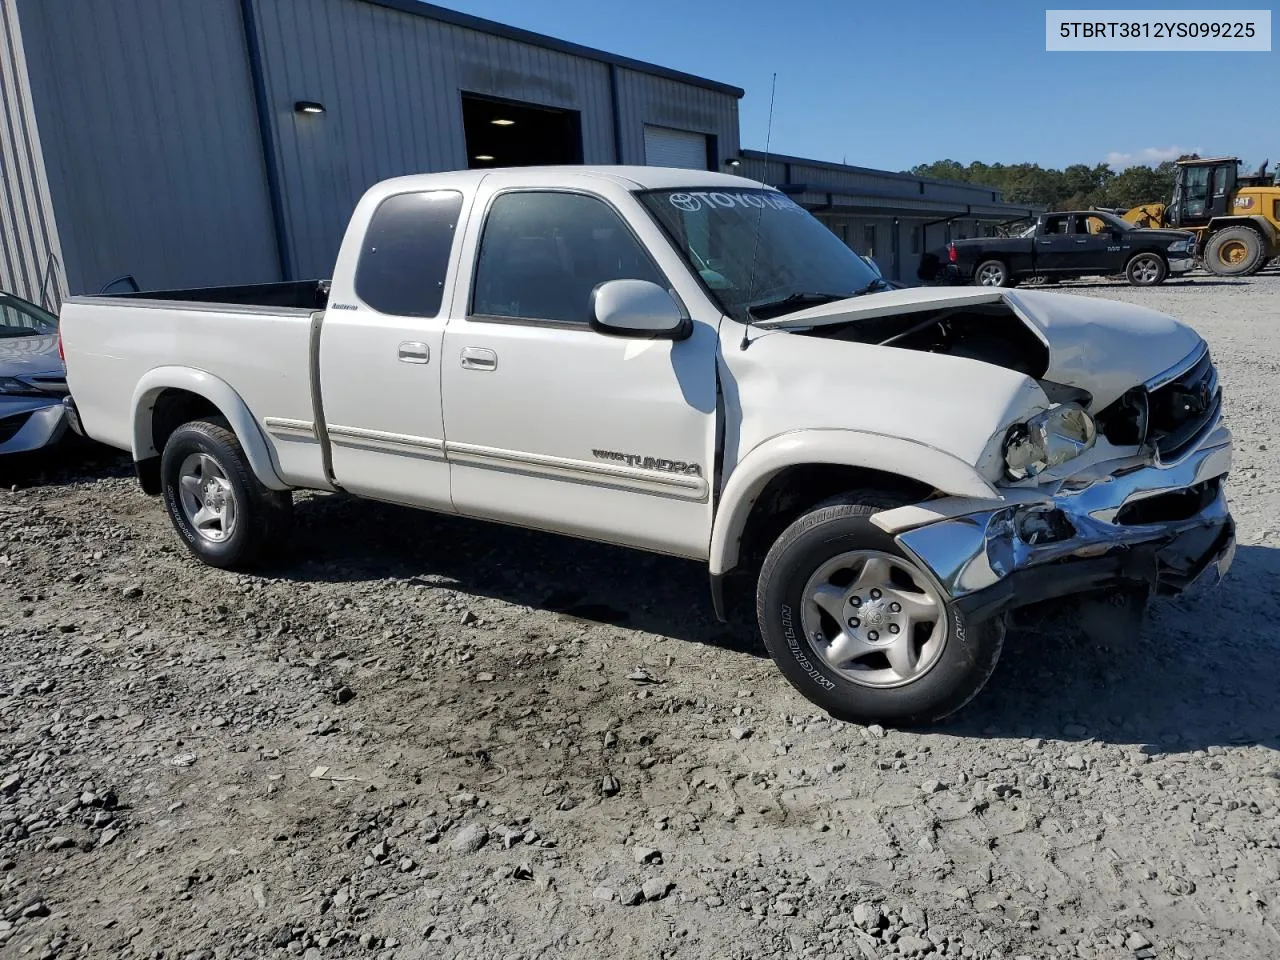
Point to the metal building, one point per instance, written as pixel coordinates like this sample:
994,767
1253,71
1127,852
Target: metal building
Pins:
196,142
891,217
184,143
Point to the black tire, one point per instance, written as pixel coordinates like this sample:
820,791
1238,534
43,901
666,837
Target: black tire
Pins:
1005,278
1235,252
969,651
262,517
1146,270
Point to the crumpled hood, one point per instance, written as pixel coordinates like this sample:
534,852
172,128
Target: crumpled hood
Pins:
1103,346
24,356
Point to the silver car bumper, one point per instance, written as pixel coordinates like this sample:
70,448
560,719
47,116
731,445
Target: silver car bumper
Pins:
1182,264
29,423
1163,525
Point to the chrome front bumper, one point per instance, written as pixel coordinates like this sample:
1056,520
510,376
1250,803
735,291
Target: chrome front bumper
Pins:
1166,526
1182,264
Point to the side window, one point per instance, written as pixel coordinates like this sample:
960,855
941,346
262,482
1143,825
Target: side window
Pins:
543,253
1055,225
1197,191
406,253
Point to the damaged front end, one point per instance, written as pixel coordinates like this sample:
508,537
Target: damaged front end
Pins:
1156,520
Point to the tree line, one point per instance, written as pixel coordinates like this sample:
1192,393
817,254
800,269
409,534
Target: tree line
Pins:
1076,187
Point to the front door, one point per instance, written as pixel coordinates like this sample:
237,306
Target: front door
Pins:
553,425
1096,246
380,351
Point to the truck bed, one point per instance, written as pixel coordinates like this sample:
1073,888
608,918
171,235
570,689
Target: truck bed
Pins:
123,350
295,294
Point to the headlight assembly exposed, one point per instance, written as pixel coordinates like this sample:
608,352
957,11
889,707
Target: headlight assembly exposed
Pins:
1061,433
1182,246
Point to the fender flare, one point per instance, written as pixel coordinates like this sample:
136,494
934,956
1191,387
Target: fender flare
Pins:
848,448
219,393
1255,220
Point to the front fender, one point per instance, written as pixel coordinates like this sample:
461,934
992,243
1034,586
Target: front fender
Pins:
218,392
849,448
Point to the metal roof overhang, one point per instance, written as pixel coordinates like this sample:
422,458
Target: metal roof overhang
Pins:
818,200
432,12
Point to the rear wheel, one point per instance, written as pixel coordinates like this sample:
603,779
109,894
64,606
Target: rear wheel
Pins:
1146,270
860,629
224,514
1235,252
993,273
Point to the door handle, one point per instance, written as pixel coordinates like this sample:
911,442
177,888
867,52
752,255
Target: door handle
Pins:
1083,240
479,358
414,351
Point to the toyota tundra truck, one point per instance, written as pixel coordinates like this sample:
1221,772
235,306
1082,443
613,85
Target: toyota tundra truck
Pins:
691,364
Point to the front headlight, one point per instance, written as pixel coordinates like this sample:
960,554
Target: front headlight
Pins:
1182,246
1061,433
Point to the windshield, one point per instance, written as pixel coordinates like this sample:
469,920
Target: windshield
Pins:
21,319
796,262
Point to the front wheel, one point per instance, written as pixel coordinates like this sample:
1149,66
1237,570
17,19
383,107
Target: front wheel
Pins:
860,629
223,512
1146,270
1235,252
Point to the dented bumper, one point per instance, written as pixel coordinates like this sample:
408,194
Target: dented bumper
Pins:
1166,526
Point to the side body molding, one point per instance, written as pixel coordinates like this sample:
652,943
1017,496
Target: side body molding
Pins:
221,395
848,448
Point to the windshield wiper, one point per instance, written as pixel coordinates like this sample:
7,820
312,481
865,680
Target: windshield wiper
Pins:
792,301
876,282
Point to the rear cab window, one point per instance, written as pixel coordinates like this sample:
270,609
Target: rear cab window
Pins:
406,251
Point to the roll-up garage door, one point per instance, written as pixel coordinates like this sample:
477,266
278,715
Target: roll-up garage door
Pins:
665,147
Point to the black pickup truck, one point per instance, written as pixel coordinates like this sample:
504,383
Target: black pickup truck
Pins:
1077,243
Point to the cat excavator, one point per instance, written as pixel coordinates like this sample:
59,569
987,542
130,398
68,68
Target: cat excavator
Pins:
1235,217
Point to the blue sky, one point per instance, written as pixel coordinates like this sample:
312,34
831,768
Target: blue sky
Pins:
894,84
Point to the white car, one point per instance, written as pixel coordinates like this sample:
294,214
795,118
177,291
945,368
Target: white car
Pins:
688,363
32,382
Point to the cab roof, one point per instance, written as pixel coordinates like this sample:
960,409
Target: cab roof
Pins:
629,177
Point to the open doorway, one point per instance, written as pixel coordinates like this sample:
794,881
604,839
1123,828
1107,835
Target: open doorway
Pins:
509,133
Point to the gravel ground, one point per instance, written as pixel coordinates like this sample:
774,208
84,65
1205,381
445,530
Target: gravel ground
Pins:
441,739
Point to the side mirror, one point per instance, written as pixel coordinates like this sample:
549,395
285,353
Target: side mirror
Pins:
637,308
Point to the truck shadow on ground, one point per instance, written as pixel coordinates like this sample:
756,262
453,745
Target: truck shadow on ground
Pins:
339,539
70,461
1203,673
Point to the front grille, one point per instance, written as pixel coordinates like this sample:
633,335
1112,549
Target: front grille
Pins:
10,426
1181,408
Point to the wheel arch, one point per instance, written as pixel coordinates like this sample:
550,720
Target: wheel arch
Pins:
1254,221
820,464
167,397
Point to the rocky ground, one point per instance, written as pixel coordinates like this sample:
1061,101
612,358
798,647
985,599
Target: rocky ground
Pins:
432,738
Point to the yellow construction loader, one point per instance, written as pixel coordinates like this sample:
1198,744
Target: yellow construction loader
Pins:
1236,219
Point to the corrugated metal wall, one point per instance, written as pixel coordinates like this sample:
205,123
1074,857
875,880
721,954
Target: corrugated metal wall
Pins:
391,83
150,137
157,164
644,98
30,255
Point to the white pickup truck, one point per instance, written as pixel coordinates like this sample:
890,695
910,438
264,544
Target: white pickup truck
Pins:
688,363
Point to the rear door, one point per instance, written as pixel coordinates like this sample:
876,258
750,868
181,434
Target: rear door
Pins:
380,349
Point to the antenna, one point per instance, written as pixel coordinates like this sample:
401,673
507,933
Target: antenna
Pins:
755,250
